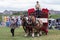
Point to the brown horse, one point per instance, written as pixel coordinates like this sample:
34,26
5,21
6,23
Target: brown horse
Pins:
26,25
37,24
30,26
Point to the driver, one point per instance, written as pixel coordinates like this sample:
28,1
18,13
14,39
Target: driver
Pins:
38,9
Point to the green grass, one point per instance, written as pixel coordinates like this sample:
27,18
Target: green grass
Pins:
55,16
19,35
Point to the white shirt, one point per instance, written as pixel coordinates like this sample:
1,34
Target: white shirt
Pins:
37,6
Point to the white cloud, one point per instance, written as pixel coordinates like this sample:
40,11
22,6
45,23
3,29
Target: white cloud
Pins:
25,4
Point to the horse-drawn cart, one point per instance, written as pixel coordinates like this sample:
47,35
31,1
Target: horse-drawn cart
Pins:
43,17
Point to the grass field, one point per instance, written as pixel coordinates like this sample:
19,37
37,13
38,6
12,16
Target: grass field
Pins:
19,35
55,16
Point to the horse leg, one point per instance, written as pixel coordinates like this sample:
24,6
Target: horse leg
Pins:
24,28
12,31
27,32
32,32
37,33
40,33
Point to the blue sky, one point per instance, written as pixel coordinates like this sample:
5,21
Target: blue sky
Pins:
26,4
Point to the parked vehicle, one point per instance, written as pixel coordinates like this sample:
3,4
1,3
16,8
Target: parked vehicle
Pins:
51,23
58,23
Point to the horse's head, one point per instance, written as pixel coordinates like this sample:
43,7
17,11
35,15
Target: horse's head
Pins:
33,18
23,18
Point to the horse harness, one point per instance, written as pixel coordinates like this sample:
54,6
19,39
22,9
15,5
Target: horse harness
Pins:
35,23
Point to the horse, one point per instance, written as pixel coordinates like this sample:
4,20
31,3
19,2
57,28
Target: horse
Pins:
30,26
24,23
37,24
27,25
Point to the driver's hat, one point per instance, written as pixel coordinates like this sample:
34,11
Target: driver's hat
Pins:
37,2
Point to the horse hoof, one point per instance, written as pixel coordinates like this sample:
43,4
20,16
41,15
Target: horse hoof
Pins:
25,35
40,33
37,35
32,35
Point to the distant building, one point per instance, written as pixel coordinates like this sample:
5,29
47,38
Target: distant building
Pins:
8,12
1,13
54,12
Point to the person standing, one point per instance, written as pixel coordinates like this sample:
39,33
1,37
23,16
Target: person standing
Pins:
12,26
38,9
